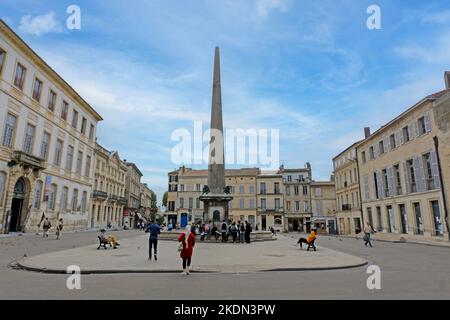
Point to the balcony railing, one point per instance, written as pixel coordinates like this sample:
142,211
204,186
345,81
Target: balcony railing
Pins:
99,194
27,160
346,207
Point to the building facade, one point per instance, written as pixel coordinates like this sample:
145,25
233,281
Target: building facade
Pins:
146,202
348,200
323,205
297,198
47,142
400,176
108,196
131,214
270,201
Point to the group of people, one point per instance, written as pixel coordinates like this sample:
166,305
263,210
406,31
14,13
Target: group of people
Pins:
46,226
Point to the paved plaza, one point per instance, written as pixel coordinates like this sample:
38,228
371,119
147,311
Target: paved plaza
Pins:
408,271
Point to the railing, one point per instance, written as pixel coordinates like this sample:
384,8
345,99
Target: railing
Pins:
346,207
99,194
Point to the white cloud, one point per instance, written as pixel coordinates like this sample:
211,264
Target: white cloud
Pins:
265,7
39,25
437,52
436,17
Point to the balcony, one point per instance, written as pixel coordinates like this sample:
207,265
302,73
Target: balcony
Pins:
122,200
97,194
27,161
346,207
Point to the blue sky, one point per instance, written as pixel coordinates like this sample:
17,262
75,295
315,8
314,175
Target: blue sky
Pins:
311,69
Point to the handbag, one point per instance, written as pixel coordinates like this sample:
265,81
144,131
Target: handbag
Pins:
366,237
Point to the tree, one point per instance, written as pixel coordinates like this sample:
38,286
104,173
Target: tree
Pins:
154,207
164,199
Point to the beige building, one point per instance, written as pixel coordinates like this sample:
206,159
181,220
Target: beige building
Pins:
145,202
348,200
400,176
323,205
131,214
270,201
47,142
108,197
297,198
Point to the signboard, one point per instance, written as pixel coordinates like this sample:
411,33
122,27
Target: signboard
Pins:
48,182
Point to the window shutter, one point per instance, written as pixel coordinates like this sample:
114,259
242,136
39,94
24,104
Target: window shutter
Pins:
435,170
402,138
427,122
366,188
410,131
420,176
416,128
397,139
387,145
390,181
405,172
375,150
380,184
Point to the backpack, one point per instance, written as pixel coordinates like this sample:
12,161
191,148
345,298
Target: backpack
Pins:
233,229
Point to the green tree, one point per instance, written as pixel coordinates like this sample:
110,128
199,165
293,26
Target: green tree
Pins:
164,199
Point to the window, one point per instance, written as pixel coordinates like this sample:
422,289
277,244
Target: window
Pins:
412,176
241,189
74,118
263,203
251,189
392,141
91,132
44,145
83,126
305,190
181,203
419,220
2,185
262,188
277,204
363,157
305,206
288,206
197,203
426,158
197,187
288,190
381,147
37,89
276,188
51,100
37,195
405,134
371,154
84,201
2,59
191,203
318,192
297,206
19,78
182,187
29,137
376,185
87,168
289,178
10,127
384,176
252,203
64,110
51,197
74,203
398,184
69,158
296,190
79,159
58,152
421,126
241,203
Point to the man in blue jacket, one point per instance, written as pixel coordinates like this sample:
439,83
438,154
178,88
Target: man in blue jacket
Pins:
154,230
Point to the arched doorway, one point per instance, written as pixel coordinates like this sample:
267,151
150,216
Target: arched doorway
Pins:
216,216
17,206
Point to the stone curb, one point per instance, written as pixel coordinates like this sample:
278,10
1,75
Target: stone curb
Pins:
22,266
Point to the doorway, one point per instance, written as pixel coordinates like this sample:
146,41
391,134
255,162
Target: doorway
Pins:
184,220
263,222
404,218
15,223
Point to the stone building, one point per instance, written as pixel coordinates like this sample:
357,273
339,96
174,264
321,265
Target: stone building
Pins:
131,214
297,198
108,196
47,142
145,204
400,179
270,201
348,200
323,206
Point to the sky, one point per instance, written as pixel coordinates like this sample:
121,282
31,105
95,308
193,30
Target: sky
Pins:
311,69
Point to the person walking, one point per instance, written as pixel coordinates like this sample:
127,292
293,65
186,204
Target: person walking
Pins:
45,227
242,232
368,230
248,230
154,230
59,228
187,243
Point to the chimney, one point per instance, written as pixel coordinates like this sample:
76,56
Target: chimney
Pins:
366,132
447,79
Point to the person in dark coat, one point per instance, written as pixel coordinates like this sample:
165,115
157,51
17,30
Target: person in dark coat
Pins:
187,243
154,230
224,231
248,230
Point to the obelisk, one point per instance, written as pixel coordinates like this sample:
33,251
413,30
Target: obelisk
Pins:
216,196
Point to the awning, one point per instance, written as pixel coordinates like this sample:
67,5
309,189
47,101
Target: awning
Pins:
140,216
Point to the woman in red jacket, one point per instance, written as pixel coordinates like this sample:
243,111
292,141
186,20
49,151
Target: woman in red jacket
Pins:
187,242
